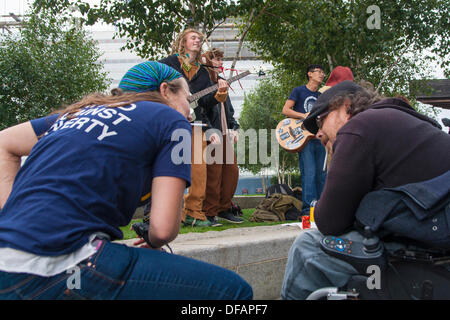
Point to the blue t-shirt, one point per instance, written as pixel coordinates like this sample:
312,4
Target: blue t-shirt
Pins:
304,99
88,174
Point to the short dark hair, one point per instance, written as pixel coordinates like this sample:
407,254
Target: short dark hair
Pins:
311,68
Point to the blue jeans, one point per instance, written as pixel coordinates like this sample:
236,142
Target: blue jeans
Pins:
117,271
311,161
309,268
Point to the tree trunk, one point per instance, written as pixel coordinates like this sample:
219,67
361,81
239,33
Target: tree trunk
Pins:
283,170
330,62
391,67
278,175
263,182
241,42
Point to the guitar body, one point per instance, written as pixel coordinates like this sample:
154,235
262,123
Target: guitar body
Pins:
291,136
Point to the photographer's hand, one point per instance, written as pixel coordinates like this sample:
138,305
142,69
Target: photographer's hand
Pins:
142,244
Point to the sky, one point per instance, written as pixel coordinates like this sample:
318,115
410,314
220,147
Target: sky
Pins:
19,7
15,6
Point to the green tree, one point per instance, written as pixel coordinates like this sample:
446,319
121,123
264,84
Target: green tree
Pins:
45,65
384,47
262,110
149,26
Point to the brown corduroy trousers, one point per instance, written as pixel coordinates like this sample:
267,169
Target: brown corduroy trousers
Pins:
193,200
222,178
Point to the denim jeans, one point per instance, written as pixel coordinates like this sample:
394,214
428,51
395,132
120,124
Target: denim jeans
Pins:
311,162
117,271
309,268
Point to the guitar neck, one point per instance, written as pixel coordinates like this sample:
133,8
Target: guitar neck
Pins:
213,88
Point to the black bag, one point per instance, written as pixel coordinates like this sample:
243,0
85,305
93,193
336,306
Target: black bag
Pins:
279,188
236,210
293,214
418,211
297,192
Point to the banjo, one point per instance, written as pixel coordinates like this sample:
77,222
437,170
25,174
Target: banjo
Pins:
194,98
291,136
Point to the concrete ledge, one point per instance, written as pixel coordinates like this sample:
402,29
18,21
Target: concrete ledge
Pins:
257,254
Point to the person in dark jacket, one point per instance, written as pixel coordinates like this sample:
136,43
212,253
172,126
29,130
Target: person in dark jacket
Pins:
185,58
377,143
222,174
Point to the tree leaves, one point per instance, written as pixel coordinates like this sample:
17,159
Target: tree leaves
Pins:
46,65
294,34
149,26
262,111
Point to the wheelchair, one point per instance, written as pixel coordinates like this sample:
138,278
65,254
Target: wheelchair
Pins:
414,272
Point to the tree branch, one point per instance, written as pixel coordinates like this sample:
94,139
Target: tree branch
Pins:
250,22
330,62
391,67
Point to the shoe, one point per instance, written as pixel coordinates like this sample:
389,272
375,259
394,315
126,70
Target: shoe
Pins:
196,222
214,222
228,216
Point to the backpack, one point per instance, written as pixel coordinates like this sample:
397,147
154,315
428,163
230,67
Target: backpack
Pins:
275,208
279,188
297,192
416,211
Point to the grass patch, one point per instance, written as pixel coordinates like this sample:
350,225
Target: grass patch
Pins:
130,234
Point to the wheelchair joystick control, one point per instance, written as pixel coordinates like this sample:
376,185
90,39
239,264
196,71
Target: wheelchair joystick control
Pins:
371,242
360,254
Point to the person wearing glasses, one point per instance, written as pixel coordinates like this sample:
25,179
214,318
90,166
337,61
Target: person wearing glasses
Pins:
186,59
377,143
312,159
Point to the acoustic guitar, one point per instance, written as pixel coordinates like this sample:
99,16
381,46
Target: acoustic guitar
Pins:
291,136
194,97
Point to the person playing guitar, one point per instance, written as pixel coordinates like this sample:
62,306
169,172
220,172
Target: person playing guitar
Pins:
186,58
312,156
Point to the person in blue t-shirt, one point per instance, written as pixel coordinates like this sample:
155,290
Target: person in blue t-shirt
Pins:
312,159
89,167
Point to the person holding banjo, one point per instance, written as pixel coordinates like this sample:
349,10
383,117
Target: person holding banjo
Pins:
312,157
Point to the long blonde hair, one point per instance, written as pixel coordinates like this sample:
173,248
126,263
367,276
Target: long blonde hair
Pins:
179,45
118,98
